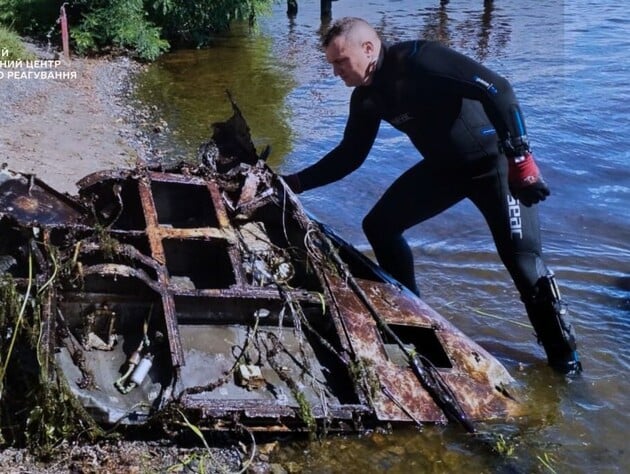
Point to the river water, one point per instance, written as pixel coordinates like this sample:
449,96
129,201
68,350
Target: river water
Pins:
568,62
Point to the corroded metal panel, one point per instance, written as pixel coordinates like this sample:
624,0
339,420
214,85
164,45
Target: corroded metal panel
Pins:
392,385
29,201
473,375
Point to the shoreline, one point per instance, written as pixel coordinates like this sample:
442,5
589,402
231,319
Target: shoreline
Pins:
66,128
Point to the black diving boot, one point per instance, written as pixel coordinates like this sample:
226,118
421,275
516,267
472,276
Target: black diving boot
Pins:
549,316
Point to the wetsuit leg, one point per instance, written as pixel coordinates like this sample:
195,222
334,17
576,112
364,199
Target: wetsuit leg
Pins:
515,228
418,194
516,232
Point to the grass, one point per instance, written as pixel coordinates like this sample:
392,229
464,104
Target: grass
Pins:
11,46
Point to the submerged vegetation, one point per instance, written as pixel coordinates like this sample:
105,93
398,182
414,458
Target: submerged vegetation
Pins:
144,29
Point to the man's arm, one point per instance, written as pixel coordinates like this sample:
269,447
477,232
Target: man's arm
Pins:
453,72
358,138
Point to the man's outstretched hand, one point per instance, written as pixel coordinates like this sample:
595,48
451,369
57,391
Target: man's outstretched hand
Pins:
525,181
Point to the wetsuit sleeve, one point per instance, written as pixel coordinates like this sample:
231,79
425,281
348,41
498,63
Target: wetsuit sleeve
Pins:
358,138
454,73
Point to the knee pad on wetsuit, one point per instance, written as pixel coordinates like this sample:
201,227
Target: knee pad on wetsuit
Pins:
550,319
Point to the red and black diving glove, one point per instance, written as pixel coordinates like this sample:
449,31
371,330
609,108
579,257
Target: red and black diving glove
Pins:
525,181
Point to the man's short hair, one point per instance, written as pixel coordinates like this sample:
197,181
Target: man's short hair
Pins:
342,27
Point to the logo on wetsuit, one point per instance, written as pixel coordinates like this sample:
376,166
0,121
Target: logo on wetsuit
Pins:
514,211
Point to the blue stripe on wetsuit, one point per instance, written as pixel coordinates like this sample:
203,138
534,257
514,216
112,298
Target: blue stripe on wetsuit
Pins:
519,123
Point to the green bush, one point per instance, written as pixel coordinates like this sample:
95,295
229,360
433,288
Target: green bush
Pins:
30,17
193,22
141,27
11,43
121,24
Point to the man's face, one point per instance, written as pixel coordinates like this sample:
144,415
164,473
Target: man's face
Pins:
349,60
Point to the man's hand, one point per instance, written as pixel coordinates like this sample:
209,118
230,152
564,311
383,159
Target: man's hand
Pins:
525,181
293,182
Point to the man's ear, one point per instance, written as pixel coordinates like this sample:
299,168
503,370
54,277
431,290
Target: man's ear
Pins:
368,48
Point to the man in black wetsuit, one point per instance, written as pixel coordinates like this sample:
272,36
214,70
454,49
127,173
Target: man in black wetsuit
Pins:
465,121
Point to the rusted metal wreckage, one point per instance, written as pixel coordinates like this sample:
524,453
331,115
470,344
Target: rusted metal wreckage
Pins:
208,286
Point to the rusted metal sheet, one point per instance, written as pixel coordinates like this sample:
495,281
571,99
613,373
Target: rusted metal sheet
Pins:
30,201
208,286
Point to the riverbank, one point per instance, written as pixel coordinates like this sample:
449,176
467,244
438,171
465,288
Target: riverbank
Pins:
62,120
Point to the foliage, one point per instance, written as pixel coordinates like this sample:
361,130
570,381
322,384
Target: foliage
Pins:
504,447
121,24
548,460
37,410
192,23
11,42
305,411
30,17
144,28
